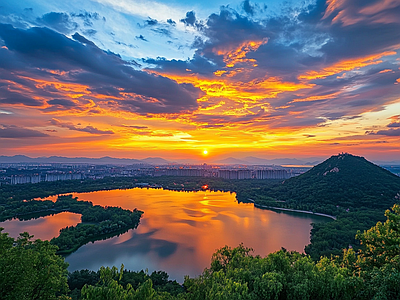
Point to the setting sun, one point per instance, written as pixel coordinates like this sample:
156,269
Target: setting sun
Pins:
205,152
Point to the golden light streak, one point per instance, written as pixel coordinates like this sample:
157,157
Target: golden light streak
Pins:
316,98
385,71
346,65
253,90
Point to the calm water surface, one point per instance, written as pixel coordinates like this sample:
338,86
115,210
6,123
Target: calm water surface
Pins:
178,232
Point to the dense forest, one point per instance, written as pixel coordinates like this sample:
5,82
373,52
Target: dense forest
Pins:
32,270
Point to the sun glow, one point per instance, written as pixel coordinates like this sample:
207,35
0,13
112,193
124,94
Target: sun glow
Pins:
205,152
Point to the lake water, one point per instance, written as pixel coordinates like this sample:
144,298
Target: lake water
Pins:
178,232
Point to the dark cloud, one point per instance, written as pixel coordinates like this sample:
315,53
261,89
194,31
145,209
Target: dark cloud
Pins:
389,132
135,126
87,17
82,39
106,90
212,126
65,104
150,22
248,8
141,37
62,102
198,64
124,44
14,98
15,132
171,22
82,62
163,31
70,126
220,27
394,125
190,19
60,22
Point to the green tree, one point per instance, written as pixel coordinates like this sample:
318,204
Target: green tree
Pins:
109,288
381,243
30,269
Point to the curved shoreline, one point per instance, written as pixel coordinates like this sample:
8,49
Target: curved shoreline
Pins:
294,210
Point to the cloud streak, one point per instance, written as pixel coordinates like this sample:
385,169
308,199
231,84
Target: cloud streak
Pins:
70,126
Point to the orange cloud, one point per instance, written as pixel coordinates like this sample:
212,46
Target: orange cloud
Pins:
238,54
346,65
253,90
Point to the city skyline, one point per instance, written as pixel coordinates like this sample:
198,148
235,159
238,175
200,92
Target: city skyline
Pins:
200,81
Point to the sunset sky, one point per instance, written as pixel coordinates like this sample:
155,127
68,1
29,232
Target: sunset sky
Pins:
200,79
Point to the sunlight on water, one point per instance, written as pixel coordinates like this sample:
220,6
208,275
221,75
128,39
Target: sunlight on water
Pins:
44,228
179,231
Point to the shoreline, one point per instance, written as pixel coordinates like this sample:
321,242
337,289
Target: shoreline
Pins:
294,210
160,186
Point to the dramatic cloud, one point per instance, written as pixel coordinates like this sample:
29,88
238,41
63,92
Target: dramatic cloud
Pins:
88,129
389,132
60,22
88,17
15,132
190,19
248,8
171,22
82,62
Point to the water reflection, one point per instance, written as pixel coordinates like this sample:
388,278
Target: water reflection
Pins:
44,228
179,231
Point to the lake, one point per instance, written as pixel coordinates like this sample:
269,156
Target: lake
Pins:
178,232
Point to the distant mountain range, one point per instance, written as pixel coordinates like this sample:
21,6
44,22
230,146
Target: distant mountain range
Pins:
106,160
251,160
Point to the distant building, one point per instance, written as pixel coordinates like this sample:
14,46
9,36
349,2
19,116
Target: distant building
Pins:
235,174
62,176
20,179
178,172
272,174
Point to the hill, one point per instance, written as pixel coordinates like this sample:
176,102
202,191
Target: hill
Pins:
347,186
343,182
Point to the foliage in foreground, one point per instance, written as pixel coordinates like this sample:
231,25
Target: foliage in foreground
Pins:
30,270
373,272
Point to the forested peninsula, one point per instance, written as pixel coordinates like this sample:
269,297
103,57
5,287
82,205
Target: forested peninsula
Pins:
97,222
